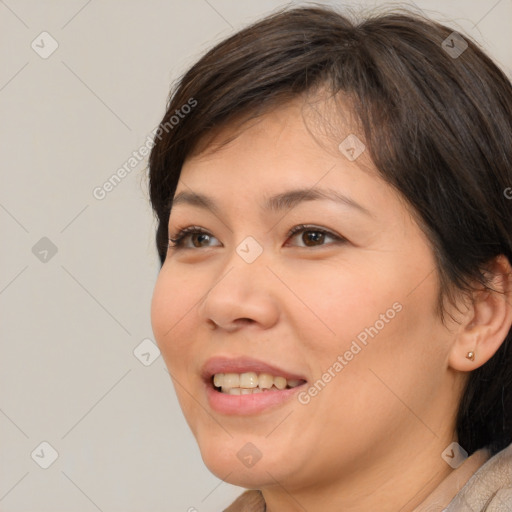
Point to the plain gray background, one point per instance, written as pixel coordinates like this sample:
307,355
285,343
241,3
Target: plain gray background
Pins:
72,319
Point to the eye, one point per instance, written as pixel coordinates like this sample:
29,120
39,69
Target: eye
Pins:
196,234
311,236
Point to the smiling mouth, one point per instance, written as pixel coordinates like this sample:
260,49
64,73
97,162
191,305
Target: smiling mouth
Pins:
249,383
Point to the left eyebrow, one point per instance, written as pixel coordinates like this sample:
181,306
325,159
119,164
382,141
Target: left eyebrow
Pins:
287,200
279,202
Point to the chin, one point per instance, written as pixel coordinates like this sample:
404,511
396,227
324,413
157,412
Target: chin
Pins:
239,462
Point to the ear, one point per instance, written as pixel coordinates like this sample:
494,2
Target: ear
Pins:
487,320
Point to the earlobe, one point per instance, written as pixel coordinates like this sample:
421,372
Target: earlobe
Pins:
487,321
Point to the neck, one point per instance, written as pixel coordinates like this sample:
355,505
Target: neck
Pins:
418,480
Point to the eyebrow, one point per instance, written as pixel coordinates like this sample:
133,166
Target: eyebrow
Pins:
277,203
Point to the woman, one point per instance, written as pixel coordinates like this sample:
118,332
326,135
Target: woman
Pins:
333,204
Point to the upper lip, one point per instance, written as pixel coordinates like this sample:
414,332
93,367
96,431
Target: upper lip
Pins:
220,364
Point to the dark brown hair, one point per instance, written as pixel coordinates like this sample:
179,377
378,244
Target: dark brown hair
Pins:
437,125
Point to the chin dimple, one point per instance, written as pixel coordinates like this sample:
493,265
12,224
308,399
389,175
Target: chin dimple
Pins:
250,382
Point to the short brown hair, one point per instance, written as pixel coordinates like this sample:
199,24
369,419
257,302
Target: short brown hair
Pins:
438,127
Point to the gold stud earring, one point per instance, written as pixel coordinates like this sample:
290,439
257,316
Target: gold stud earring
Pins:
470,356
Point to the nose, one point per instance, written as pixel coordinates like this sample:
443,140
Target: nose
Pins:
243,295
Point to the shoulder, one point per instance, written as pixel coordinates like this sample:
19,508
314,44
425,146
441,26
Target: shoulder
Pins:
490,488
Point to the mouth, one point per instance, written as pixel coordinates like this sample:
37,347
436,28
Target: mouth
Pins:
248,386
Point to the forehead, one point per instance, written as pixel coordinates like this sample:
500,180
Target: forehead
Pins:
294,143
277,161
318,112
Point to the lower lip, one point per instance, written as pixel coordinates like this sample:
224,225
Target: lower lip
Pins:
248,404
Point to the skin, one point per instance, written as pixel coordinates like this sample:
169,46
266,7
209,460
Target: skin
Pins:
372,438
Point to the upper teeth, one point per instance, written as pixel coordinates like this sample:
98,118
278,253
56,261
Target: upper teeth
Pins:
251,382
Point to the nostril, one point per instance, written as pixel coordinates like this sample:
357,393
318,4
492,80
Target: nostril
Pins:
244,321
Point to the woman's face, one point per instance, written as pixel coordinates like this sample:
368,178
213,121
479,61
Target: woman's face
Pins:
348,306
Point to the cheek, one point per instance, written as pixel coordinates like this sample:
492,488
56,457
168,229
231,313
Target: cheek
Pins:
161,308
336,301
171,308
363,294
373,319
390,341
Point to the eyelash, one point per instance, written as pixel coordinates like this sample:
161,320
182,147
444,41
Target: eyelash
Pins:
178,239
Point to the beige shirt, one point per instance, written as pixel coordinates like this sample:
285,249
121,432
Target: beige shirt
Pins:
480,484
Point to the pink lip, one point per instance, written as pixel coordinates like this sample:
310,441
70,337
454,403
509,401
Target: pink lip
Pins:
245,404
248,404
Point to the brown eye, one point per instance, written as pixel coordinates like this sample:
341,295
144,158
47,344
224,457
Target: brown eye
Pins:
197,236
312,236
